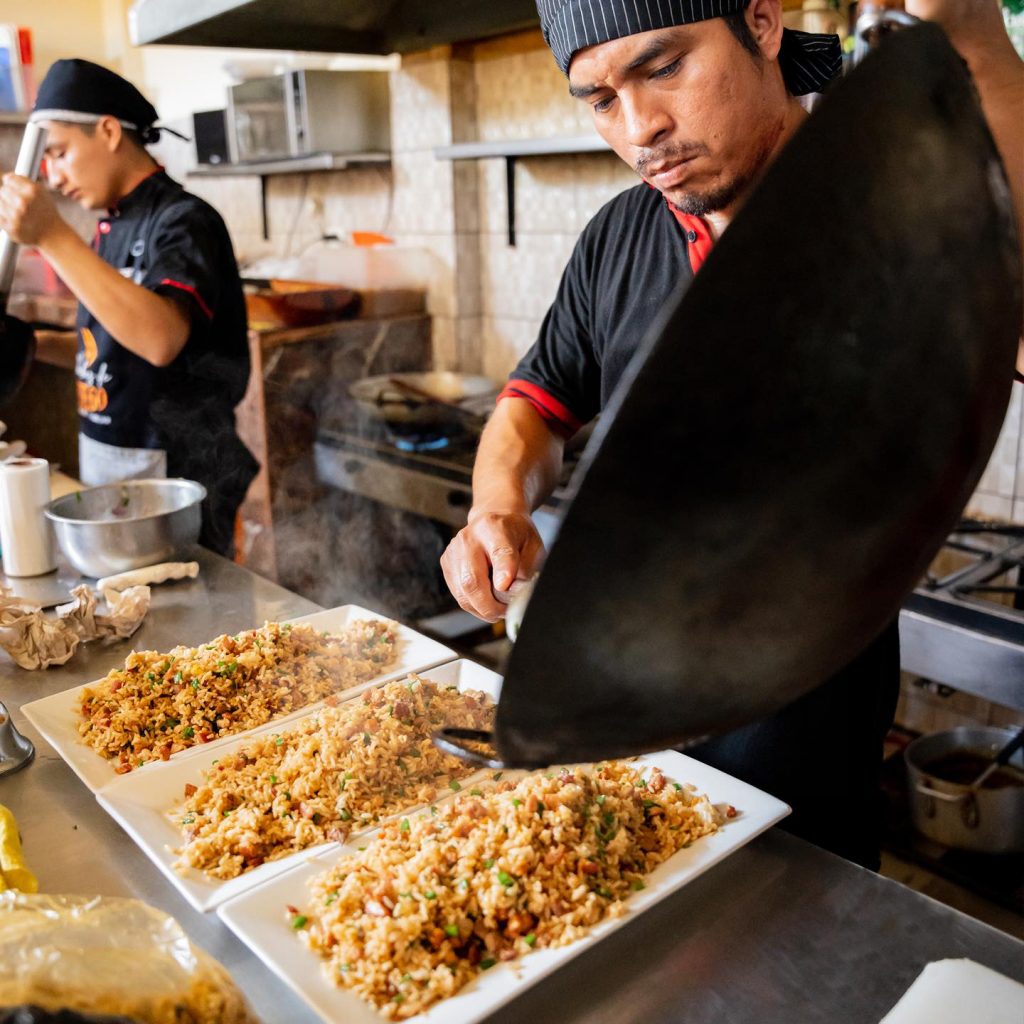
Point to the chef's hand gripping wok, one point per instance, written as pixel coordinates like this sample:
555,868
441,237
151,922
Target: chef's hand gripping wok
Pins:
17,339
791,446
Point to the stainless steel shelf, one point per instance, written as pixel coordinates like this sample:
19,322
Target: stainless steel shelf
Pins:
295,165
523,147
292,165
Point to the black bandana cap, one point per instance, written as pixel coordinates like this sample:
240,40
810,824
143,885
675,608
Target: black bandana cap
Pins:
809,61
81,92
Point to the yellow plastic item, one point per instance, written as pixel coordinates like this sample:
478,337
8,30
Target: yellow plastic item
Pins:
13,873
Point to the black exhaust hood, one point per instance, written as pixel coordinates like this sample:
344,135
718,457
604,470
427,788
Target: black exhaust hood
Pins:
331,26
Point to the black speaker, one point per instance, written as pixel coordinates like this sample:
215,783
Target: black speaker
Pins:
209,129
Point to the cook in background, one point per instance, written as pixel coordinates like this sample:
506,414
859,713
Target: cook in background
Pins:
977,30
163,356
698,106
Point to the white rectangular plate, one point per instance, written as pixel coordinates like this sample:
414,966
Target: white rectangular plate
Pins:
56,716
258,917
139,801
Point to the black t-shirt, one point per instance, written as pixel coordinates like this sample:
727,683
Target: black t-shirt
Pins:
175,244
630,258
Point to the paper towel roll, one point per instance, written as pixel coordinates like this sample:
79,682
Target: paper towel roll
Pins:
26,537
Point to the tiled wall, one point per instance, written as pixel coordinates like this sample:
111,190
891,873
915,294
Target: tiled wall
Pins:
1000,493
926,707
488,298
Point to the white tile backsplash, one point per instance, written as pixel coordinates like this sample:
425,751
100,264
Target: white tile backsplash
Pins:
519,282
420,97
992,506
424,200
506,340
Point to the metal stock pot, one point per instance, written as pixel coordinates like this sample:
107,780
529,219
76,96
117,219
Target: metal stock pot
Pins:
942,805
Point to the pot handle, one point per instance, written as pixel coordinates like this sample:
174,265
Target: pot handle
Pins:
969,812
949,798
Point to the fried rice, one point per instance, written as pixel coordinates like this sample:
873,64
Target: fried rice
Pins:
344,768
437,899
159,704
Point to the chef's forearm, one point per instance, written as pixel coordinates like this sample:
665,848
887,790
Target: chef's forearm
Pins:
518,461
149,325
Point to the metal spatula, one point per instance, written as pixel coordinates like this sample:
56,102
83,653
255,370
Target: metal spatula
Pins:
17,339
793,442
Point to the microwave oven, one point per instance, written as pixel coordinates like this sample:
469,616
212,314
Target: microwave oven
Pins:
303,112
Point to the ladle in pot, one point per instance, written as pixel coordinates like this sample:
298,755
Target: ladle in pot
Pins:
1001,759
17,339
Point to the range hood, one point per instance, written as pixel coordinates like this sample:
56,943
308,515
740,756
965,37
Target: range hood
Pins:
329,26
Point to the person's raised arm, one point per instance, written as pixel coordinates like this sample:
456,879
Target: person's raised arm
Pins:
977,30
152,326
517,467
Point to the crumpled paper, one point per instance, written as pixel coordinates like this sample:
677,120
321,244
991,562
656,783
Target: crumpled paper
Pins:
35,640
126,610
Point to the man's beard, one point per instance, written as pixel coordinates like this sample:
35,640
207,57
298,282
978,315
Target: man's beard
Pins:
699,204
722,196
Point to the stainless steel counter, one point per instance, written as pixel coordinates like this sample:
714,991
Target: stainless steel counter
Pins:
779,933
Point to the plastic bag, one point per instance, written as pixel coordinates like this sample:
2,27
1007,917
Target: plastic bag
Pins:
109,955
34,1015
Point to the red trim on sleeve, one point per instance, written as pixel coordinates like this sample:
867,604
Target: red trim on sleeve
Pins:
195,295
552,411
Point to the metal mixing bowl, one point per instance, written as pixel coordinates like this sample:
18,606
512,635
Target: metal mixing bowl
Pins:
116,527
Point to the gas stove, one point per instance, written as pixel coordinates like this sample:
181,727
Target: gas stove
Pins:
426,474
964,624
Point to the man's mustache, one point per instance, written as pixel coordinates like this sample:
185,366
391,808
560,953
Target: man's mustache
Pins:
670,154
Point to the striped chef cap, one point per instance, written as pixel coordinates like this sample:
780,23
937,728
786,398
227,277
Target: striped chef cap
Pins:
808,61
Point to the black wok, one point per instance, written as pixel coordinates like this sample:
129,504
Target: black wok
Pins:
793,442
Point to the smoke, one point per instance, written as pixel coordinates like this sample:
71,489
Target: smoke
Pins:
345,549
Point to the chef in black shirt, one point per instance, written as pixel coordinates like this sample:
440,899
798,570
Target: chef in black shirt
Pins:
162,357
697,97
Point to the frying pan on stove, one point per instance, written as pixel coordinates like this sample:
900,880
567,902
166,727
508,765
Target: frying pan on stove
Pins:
420,401
792,443
17,339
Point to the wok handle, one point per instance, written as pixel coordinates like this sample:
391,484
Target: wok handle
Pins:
452,739
33,142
